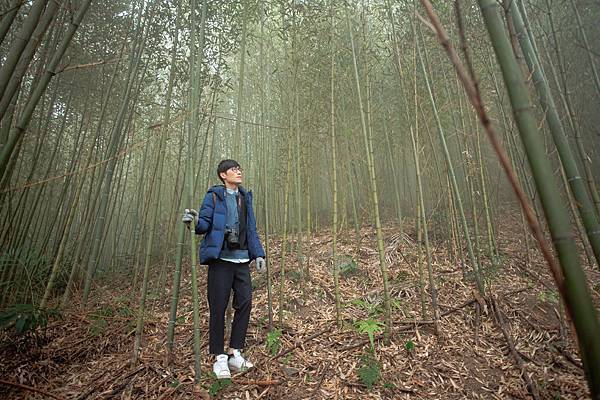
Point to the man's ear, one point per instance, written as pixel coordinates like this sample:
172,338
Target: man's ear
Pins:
222,175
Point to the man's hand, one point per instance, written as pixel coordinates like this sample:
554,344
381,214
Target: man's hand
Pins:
261,265
190,215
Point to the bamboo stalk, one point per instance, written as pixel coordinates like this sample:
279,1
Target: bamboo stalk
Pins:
574,178
574,289
374,196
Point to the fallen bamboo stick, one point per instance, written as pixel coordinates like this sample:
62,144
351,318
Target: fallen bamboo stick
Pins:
30,389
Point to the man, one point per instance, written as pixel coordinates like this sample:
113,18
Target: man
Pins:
230,243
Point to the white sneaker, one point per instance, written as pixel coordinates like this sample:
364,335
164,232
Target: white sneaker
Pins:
220,367
238,363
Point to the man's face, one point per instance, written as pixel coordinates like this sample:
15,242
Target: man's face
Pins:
233,176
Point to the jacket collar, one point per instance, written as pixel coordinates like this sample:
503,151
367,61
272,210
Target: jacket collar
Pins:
219,190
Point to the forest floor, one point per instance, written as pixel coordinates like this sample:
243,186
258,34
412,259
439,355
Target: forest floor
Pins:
86,354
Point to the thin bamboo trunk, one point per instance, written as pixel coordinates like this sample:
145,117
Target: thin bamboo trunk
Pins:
265,158
237,151
587,46
576,184
374,197
578,298
9,17
454,183
334,162
20,128
155,208
193,102
115,143
284,243
20,42
423,225
585,160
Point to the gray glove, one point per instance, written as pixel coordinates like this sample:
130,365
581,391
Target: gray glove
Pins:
190,215
261,265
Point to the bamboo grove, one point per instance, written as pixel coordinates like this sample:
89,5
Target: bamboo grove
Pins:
343,115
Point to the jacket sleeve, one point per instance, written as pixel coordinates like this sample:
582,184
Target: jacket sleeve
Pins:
260,252
205,215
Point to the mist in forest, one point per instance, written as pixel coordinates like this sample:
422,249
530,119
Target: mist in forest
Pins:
425,183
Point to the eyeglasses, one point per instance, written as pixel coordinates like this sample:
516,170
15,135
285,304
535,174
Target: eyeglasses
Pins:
236,169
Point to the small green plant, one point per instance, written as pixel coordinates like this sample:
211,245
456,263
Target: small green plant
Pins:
397,304
175,383
98,322
218,385
490,273
97,326
125,311
26,317
295,275
346,265
370,327
320,293
369,372
372,308
548,296
557,396
122,299
286,360
273,341
409,346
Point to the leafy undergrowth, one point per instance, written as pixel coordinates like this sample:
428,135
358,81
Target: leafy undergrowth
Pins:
85,354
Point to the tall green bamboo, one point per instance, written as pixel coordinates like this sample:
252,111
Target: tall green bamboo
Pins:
265,153
27,55
193,103
334,162
578,298
284,243
374,197
20,42
19,130
238,140
586,162
587,47
453,181
156,194
423,224
115,142
9,17
583,201
298,191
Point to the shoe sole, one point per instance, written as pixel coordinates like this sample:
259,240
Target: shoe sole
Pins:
236,369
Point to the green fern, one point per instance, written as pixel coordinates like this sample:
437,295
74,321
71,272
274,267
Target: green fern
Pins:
373,309
370,327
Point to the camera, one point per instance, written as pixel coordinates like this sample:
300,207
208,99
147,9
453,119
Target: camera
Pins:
233,238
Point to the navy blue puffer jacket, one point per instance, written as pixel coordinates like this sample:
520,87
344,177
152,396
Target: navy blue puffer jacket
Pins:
211,222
